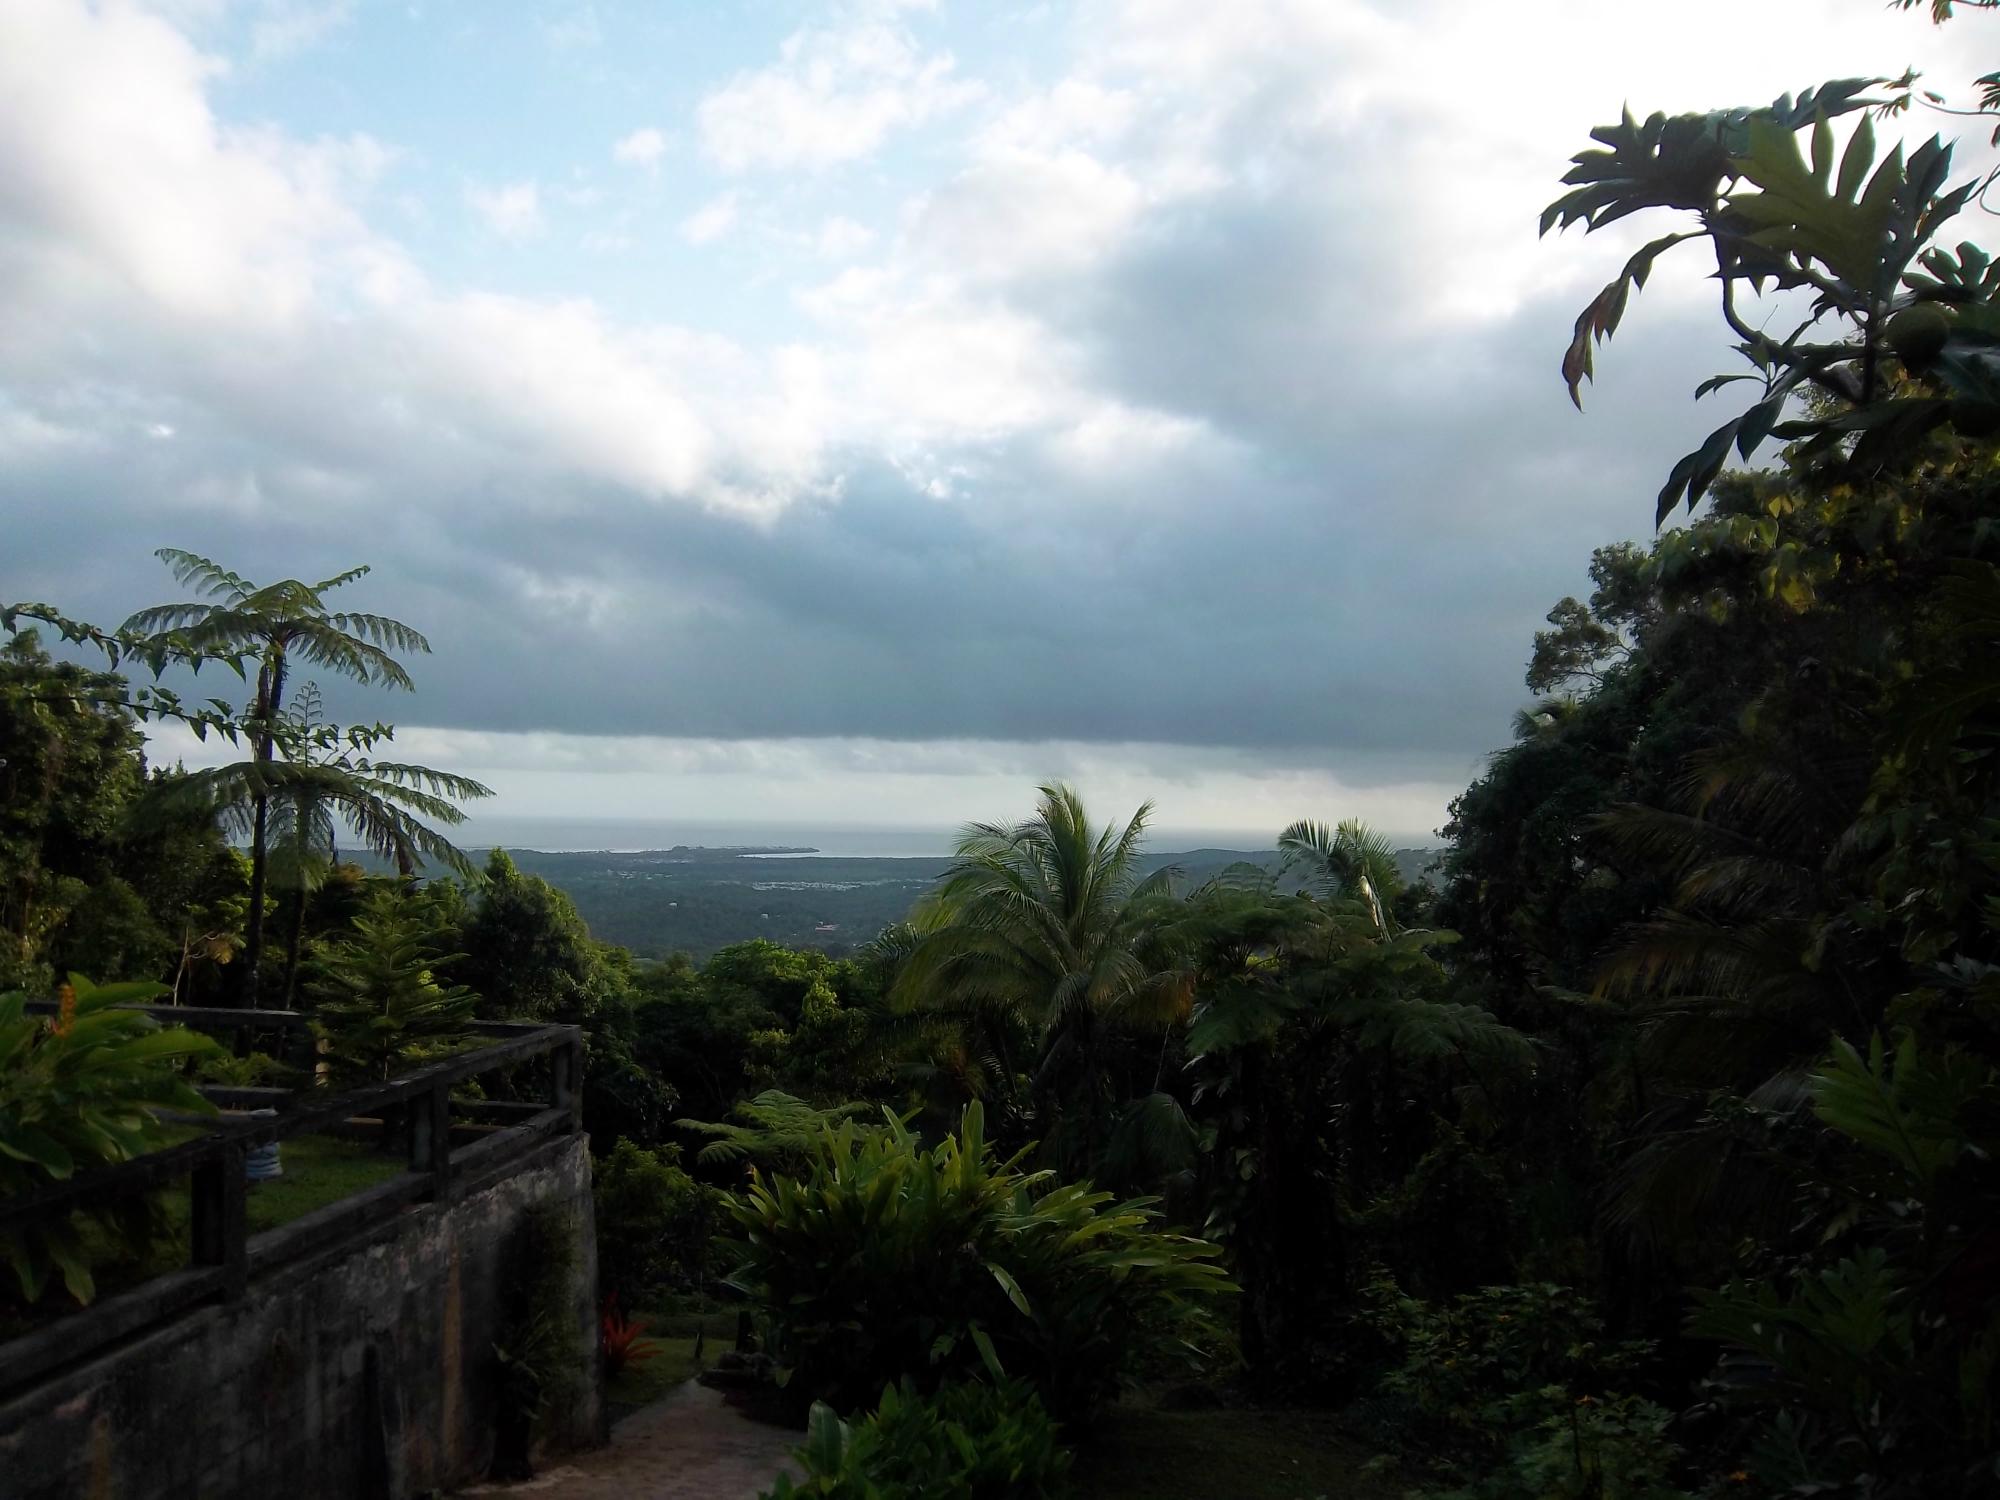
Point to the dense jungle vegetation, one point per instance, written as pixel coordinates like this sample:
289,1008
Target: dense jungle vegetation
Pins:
1650,1151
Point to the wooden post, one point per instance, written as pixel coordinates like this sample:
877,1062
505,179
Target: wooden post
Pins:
566,1073
220,1223
430,1138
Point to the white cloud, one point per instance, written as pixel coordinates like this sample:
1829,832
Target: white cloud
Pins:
284,28
841,238
576,28
513,210
642,148
1160,327
935,786
712,220
230,274
833,95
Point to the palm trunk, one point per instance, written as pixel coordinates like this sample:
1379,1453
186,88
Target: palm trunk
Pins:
294,940
253,924
270,690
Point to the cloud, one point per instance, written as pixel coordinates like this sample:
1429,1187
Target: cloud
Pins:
642,148
834,95
284,28
513,210
577,27
712,220
841,238
933,787
1190,384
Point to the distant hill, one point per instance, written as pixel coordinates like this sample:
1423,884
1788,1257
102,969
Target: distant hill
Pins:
695,900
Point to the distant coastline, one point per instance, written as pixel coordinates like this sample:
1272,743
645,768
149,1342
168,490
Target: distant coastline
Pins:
626,837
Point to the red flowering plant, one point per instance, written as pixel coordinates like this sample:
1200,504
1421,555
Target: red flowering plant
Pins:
623,1339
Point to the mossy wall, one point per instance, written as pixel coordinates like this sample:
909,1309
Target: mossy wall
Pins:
365,1370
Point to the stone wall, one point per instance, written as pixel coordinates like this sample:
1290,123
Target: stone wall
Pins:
365,1370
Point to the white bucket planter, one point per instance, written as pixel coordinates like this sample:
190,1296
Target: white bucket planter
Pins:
260,1163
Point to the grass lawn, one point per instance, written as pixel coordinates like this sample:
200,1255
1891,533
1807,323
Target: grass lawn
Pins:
1138,1454
675,1336
319,1169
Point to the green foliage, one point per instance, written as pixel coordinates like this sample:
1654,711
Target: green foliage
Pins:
80,1090
886,1259
774,1131
69,768
967,1440
540,1349
255,1070
656,1225
1350,862
1457,1357
1881,1359
527,951
1505,1394
1840,225
1331,1063
378,1005
1044,938
277,625
1615,1448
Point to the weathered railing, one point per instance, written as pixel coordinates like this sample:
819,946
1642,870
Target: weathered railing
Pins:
223,1254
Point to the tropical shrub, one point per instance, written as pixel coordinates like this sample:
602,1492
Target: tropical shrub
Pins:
774,1130
1878,1353
968,1440
1507,1392
656,1225
539,1349
253,1070
621,1339
378,1003
1581,1449
885,1259
79,1090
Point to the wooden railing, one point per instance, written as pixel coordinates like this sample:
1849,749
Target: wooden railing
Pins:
223,1255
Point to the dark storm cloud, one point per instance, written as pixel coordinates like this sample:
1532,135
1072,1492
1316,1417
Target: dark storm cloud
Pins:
1328,587
1348,487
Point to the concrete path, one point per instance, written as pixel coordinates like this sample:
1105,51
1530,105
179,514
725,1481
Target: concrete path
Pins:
690,1445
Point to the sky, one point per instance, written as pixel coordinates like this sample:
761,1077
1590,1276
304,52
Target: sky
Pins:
858,413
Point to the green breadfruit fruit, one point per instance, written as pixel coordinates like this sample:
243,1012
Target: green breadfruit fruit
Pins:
1918,333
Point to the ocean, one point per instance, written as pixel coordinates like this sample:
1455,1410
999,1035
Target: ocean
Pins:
634,835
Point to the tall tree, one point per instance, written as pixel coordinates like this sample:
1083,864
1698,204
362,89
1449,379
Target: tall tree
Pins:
315,784
69,768
277,624
1348,862
1048,924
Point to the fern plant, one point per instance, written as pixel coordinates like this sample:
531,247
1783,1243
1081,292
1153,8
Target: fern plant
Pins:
772,1130
1881,1352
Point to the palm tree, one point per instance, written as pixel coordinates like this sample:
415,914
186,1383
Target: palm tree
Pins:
1328,1060
374,801
1348,862
274,623
383,804
1046,927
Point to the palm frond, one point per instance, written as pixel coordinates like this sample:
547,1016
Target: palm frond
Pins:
196,572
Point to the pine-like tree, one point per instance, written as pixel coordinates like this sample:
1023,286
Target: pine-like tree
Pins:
380,1005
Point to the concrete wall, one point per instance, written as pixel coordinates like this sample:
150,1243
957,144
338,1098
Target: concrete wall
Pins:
366,1370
